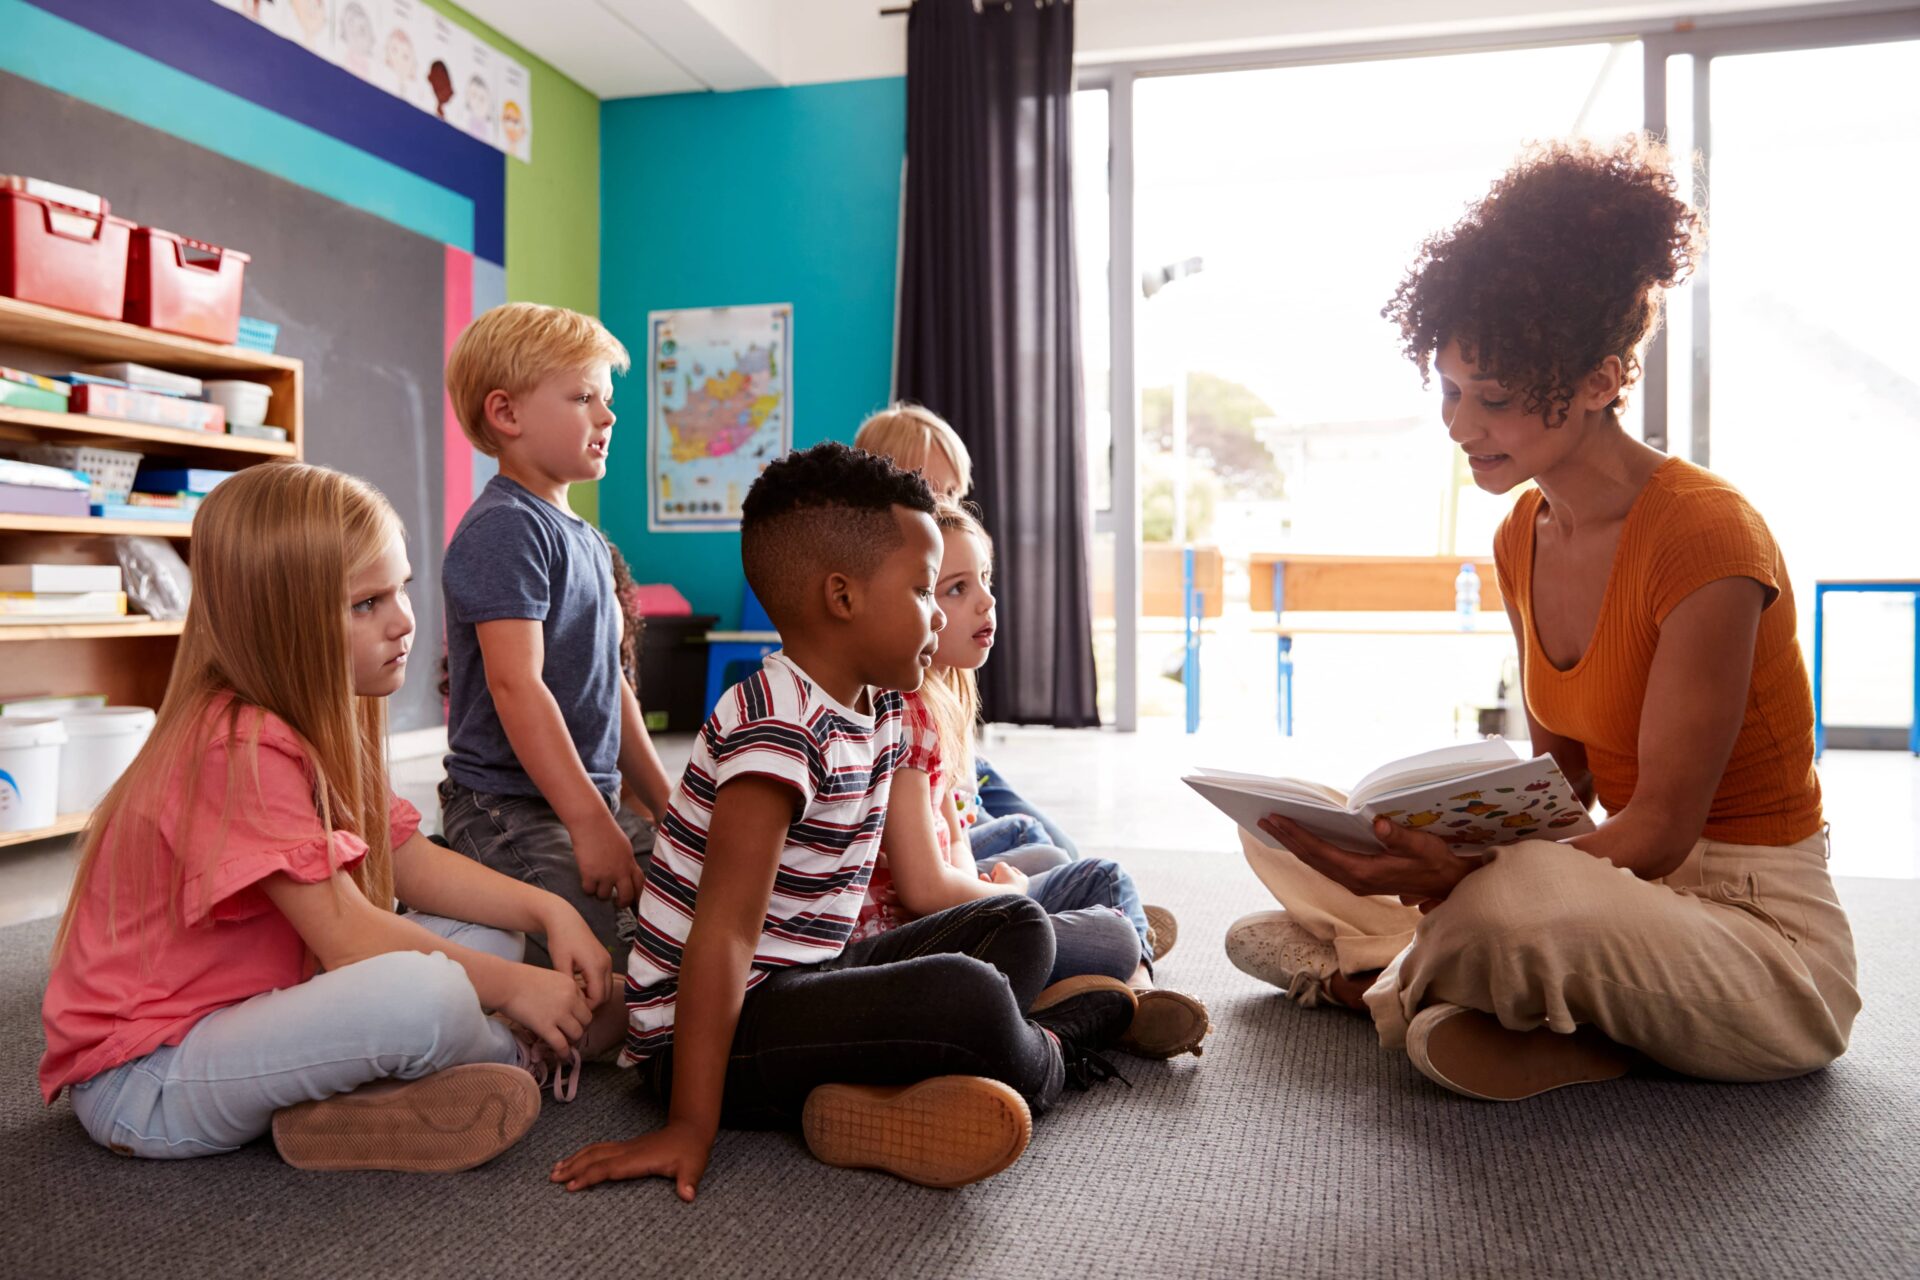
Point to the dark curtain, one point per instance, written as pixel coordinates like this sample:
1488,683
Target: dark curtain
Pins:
990,326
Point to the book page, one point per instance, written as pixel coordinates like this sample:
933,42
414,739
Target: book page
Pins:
1298,788
1458,761
1525,800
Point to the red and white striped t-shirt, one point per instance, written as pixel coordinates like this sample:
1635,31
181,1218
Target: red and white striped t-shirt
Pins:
776,724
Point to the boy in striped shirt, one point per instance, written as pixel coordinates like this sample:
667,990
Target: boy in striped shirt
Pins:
923,1051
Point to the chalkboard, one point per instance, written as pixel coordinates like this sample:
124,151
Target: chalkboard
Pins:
357,298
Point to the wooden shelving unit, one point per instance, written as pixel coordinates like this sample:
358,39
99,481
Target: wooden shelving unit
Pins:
128,661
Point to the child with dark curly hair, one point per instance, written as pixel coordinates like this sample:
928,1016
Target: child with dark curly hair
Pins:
1697,927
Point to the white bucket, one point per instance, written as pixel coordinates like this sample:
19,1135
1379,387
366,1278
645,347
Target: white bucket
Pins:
101,743
29,772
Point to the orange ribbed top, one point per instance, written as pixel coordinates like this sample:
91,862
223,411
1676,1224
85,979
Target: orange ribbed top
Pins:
1687,528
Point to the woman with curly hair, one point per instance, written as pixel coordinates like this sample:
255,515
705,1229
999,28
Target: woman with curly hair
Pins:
1696,928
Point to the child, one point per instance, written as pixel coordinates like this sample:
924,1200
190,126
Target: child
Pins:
542,725
748,1006
926,862
255,838
915,438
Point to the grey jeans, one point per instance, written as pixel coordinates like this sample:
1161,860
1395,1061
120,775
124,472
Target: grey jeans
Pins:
522,837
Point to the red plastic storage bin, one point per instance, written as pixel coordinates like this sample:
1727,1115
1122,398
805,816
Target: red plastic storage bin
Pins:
184,286
60,256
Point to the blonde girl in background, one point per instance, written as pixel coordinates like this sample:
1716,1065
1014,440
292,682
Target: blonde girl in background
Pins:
914,438
927,865
231,961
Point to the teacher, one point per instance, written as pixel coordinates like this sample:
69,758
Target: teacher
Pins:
1697,927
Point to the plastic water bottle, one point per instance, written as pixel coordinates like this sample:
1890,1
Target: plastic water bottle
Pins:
1466,595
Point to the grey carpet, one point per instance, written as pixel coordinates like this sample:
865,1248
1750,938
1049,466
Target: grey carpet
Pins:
1294,1147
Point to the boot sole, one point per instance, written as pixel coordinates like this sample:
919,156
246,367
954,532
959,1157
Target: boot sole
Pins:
443,1123
1166,1024
1470,1053
944,1132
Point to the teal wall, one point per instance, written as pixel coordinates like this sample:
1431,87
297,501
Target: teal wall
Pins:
731,199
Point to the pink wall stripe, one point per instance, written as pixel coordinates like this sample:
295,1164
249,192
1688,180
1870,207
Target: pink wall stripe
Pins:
457,467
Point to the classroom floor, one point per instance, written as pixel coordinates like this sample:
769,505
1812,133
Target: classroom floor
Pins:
1293,1146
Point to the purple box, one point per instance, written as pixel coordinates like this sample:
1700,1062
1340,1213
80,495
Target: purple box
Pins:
31,500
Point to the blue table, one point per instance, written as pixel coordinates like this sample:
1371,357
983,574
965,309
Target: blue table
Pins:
1896,586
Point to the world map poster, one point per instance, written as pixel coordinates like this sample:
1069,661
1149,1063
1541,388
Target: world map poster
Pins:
719,409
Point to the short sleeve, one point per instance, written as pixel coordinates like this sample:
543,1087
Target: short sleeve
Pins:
919,739
403,821
1709,534
264,824
764,746
498,568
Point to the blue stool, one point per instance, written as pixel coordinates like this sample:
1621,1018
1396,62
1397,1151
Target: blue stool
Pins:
752,643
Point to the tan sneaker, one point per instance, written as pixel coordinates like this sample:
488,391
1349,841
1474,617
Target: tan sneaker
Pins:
1166,1024
943,1132
1470,1053
442,1123
1163,930
1271,947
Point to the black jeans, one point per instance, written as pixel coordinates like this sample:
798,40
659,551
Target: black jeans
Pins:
943,995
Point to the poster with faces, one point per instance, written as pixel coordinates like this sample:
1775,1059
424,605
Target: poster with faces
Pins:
308,23
416,53
355,39
479,94
516,109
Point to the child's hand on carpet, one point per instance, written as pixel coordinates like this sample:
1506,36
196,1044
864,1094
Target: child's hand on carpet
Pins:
676,1153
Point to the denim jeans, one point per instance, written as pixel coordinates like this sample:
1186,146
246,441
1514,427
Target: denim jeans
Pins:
1018,840
1086,898
522,837
999,800
401,1015
1083,897
942,995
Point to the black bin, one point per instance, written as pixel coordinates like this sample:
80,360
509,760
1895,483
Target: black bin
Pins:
673,672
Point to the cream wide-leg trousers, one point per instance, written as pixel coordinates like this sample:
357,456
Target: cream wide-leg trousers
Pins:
1738,966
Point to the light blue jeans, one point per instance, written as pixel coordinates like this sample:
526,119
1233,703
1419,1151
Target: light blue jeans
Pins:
1086,897
401,1015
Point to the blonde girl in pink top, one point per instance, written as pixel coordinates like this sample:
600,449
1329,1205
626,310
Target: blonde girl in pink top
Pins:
231,960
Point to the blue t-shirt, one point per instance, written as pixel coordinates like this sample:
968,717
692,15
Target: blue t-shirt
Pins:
518,556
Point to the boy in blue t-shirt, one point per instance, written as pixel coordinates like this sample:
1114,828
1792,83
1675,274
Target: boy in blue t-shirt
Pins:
542,727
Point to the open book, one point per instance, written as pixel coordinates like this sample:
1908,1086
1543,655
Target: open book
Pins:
1473,796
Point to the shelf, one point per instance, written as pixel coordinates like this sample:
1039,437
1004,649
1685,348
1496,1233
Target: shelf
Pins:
21,631
12,523
51,329
109,431
66,825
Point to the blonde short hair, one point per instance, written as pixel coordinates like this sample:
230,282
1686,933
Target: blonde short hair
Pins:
512,348
907,435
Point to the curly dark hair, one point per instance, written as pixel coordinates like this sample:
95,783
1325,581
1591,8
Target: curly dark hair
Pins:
1561,265
824,509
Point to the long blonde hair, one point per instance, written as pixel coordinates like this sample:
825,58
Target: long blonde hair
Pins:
952,694
908,435
274,551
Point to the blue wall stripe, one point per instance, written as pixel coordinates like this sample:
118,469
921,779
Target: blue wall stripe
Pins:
228,52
